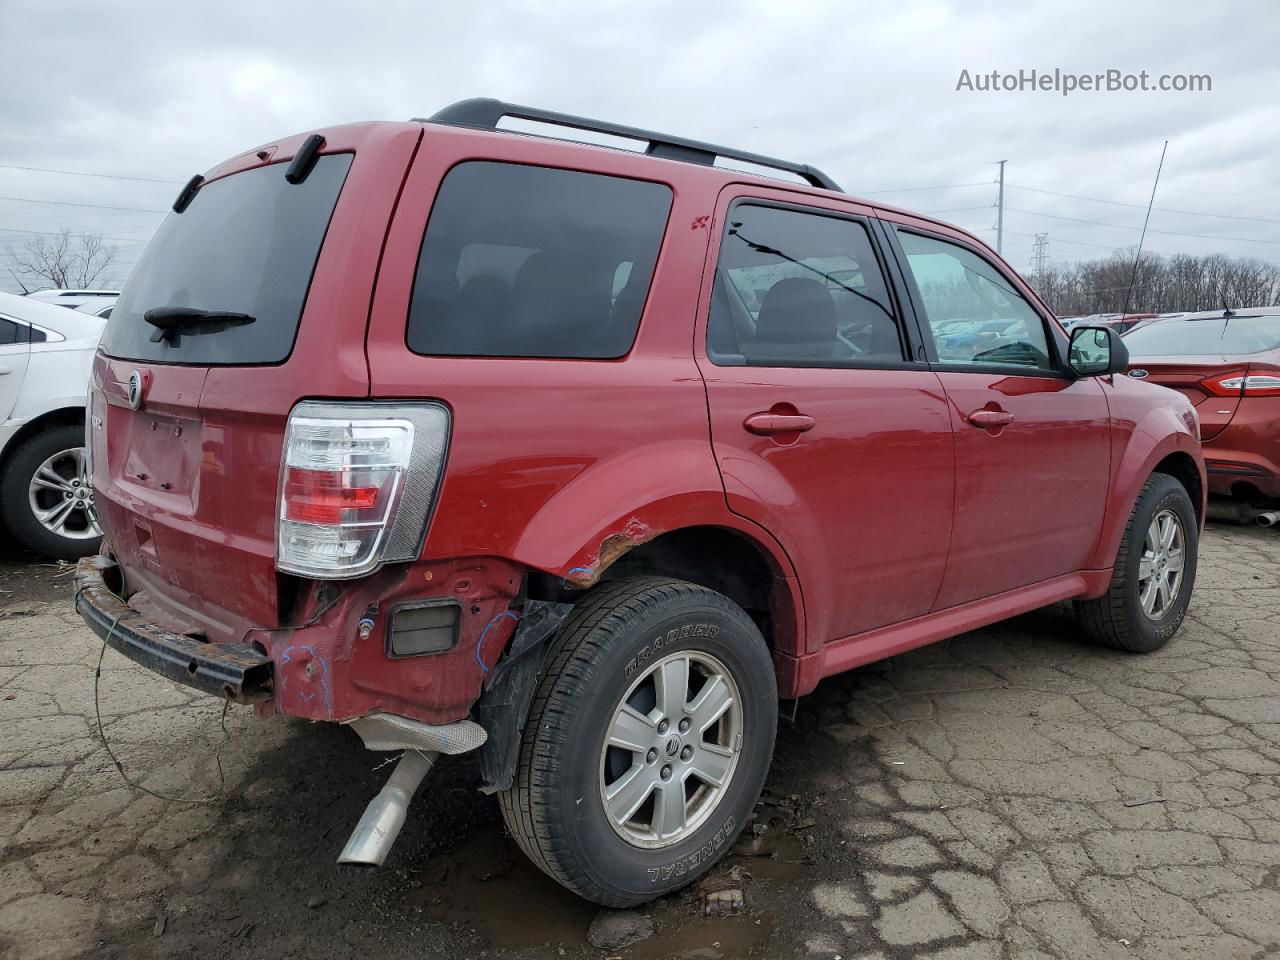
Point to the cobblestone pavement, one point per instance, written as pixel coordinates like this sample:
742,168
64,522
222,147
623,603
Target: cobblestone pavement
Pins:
1013,793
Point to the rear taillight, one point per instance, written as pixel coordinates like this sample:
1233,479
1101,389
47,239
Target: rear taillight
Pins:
357,484
1240,384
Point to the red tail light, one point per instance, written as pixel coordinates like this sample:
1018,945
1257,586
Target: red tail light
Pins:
1241,384
357,484
320,496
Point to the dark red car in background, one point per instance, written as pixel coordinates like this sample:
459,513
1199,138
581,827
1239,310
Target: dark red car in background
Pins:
1227,363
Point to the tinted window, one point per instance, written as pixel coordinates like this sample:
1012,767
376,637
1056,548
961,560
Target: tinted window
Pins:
799,289
11,333
1173,338
523,261
975,316
247,244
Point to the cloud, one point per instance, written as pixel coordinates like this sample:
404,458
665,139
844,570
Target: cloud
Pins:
867,92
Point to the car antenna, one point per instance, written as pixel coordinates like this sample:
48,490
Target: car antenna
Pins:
1138,256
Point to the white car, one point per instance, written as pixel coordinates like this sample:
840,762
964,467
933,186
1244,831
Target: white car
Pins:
46,353
97,302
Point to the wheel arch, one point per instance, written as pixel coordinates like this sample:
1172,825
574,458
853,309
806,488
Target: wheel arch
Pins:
1171,449
66,416
723,559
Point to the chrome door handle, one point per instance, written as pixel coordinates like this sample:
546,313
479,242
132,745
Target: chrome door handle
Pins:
987,419
766,424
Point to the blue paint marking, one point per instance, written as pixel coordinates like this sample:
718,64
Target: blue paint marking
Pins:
287,653
578,570
485,632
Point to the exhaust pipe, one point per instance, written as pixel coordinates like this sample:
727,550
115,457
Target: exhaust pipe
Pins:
377,829
1269,518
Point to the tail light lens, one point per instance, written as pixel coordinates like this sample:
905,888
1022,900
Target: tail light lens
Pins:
357,484
1242,384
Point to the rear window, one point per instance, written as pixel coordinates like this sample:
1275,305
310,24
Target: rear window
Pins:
1226,335
248,243
521,261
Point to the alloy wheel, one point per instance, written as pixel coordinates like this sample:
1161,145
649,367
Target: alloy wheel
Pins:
671,749
1160,567
60,496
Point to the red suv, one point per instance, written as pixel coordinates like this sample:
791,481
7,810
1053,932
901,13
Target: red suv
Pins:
584,457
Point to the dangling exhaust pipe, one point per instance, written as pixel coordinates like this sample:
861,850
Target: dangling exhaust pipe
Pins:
377,829
1269,518
422,743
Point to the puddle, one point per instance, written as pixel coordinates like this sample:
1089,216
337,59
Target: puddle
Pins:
485,883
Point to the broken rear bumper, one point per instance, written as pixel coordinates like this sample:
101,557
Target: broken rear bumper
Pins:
233,671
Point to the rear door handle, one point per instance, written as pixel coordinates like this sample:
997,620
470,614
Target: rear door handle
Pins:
987,419
4,370
767,424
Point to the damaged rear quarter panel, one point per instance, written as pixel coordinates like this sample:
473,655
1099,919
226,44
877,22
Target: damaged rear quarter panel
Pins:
325,669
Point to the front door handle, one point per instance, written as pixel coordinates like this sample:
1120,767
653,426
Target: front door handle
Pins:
987,419
4,370
766,424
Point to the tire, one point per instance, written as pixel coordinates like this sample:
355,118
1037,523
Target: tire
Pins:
615,644
65,443
1117,619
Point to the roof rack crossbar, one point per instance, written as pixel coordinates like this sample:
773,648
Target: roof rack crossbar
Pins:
486,112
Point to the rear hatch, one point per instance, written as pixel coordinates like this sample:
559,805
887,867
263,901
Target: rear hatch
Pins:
187,417
1176,373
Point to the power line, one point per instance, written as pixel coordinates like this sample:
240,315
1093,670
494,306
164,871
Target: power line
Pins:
985,206
941,186
1139,206
1081,243
58,233
71,203
81,173
1122,226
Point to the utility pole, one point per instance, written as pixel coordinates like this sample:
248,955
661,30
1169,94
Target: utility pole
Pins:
1040,254
1000,212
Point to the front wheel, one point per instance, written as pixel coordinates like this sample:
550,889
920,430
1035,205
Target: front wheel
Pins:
648,741
1154,574
45,495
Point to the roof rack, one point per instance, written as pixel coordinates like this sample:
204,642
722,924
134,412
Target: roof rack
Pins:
485,113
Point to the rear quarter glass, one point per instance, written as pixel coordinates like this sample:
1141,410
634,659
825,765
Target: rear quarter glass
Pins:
248,243
527,261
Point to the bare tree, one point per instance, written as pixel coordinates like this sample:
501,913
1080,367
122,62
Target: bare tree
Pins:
61,260
1162,284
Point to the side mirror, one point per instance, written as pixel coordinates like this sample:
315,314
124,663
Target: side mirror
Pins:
1096,352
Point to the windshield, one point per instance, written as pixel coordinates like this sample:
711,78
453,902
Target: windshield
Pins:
247,244
1225,335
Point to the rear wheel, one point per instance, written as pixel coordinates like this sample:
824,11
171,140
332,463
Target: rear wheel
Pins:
45,495
647,743
1154,575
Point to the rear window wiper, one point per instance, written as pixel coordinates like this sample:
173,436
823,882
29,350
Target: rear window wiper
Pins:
171,322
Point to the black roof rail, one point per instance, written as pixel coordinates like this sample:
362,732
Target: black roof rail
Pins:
485,113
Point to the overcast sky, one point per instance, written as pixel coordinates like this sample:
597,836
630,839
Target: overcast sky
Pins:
158,91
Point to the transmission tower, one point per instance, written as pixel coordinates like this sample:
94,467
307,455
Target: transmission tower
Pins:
1040,254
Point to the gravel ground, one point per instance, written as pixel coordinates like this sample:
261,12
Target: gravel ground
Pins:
1013,793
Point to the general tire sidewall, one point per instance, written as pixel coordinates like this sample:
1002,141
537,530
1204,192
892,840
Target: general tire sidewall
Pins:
1153,634
638,874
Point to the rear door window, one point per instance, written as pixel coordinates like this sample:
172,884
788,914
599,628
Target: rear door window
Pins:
12,333
799,289
248,244
522,261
